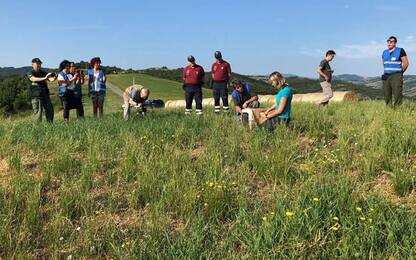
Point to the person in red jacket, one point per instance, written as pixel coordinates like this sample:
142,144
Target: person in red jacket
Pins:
193,78
221,73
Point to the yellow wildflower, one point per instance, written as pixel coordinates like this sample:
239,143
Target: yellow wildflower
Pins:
358,209
361,218
372,210
335,218
289,214
370,220
316,199
272,213
205,204
211,184
335,227
264,218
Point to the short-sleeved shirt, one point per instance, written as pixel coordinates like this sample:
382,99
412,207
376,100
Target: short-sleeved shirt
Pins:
221,71
134,93
193,75
326,69
38,89
285,92
240,98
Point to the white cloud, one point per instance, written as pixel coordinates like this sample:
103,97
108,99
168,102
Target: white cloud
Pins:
372,49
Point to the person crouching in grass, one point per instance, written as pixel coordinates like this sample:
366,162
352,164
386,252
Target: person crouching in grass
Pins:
77,88
135,96
66,84
243,97
96,86
280,112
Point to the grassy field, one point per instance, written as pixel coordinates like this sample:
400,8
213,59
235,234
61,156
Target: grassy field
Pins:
160,88
339,183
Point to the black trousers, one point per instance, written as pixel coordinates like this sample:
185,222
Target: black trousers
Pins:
79,106
191,92
69,101
220,91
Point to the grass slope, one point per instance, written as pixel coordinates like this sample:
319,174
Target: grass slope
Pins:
160,88
172,186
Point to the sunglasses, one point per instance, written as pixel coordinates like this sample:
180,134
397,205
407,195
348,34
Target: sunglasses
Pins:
391,41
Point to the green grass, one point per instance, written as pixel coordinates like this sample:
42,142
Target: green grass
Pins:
185,187
160,88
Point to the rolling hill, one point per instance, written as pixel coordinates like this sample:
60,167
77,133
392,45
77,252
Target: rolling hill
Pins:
261,86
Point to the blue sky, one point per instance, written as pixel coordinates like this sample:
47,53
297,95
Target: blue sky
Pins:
257,37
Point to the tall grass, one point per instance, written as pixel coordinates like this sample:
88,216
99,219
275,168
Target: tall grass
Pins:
176,186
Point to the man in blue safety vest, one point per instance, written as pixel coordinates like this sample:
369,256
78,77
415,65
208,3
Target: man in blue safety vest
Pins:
395,63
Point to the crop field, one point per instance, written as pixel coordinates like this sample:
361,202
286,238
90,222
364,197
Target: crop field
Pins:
338,183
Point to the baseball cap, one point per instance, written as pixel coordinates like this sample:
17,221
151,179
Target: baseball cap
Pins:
36,60
191,58
218,55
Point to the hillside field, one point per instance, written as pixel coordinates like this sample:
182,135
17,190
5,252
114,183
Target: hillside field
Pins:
339,183
160,88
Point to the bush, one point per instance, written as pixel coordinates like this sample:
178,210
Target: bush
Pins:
13,94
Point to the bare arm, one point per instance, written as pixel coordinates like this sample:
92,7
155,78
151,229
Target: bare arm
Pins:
319,71
251,100
277,112
405,63
66,83
35,79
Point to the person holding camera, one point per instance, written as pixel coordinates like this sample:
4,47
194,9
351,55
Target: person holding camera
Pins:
135,96
77,88
66,87
96,86
39,92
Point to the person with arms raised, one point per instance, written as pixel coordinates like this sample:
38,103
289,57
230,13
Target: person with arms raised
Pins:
39,92
66,87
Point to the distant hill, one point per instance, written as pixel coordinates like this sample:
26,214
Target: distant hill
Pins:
409,89
351,78
12,71
261,86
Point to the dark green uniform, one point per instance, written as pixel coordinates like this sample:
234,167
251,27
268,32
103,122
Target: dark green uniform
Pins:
39,94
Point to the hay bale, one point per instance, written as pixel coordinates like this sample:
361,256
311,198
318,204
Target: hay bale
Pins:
339,96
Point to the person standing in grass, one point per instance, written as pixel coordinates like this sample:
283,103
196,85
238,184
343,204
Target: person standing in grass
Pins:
243,97
280,112
193,78
221,73
395,64
77,88
135,96
325,77
66,88
96,86
39,92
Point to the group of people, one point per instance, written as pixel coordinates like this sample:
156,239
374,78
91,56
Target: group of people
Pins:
71,79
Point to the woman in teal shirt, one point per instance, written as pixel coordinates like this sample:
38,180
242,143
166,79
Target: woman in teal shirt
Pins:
279,113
